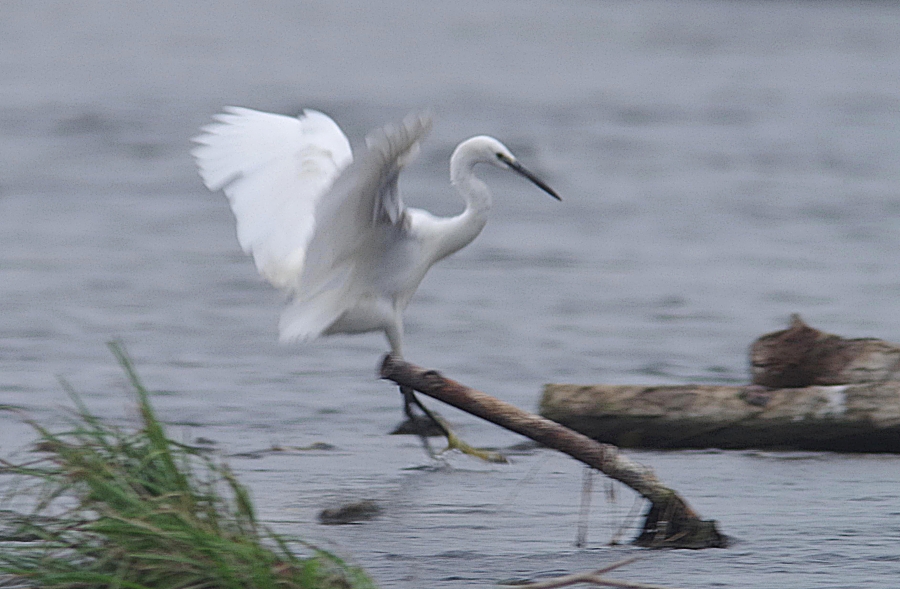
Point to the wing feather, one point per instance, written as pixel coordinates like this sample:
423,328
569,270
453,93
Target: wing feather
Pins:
319,225
364,204
359,233
274,170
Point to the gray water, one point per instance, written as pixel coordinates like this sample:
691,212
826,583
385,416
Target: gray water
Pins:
723,164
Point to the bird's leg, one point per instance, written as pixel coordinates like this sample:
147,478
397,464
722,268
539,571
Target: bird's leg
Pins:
427,425
453,442
414,423
418,424
435,425
410,399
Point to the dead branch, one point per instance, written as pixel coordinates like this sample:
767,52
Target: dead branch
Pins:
592,577
670,522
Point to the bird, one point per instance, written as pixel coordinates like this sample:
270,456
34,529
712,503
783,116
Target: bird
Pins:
331,229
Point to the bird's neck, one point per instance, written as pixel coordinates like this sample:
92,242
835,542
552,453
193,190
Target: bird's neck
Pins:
461,230
473,191
466,226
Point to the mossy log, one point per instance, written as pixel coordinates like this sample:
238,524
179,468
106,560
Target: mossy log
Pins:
669,522
811,391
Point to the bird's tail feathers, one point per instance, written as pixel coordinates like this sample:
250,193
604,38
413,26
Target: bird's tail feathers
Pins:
308,319
309,316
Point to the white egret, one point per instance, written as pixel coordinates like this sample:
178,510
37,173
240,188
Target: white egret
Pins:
331,230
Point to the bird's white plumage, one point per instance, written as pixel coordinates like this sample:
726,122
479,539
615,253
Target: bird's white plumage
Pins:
273,169
333,231
364,259
343,255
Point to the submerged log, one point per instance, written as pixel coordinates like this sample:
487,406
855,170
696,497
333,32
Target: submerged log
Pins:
811,391
844,418
669,522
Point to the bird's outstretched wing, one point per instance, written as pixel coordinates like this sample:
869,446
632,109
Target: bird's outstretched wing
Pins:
365,198
274,170
359,232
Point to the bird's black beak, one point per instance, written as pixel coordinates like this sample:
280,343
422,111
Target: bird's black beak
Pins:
518,168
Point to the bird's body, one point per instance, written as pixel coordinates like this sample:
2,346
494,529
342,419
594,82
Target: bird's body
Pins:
332,231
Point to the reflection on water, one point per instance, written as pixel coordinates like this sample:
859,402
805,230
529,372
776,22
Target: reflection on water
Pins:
722,165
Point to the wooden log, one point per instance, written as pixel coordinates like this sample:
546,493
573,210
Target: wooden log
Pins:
802,356
843,418
811,391
670,522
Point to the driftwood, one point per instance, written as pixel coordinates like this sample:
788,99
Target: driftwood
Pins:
669,522
845,418
592,578
832,394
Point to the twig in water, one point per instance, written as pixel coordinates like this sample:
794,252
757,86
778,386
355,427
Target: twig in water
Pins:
626,521
587,487
592,577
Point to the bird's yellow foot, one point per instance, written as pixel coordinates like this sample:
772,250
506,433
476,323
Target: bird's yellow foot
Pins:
441,426
454,443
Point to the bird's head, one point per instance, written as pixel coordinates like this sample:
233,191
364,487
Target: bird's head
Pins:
487,150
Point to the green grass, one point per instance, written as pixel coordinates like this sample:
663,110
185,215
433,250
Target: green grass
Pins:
137,510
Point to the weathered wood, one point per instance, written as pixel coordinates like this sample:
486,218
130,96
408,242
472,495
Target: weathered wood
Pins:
591,578
846,418
670,521
802,356
811,391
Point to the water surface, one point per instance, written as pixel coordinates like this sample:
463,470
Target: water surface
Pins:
722,164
